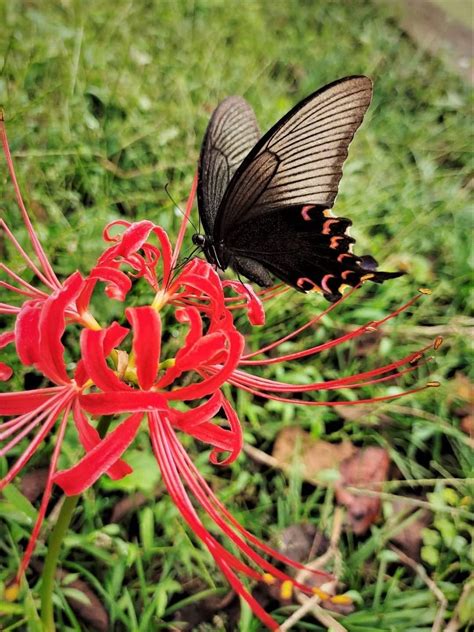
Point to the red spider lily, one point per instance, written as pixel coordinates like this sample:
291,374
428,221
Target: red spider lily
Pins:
123,371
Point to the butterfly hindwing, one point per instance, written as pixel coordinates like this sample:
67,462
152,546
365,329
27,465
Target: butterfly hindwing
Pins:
307,247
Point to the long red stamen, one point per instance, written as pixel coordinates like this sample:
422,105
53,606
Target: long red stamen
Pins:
325,346
184,225
356,402
51,279
46,494
68,394
223,558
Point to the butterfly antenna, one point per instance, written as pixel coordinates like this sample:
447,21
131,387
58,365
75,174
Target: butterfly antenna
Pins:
181,265
180,209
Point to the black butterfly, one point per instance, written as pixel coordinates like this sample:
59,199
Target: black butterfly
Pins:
264,202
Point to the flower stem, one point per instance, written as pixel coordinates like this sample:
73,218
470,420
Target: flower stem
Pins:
55,541
49,571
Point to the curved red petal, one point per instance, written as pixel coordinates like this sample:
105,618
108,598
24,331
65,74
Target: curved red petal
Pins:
94,357
5,372
51,329
209,385
255,310
27,334
25,401
100,459
236,436
146,324
90,438
114,402
186,421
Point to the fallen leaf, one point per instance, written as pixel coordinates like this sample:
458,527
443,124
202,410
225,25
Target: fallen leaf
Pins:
126,505
88,607
313,455
300,542
367,468
467,425
33,483
462,388
410,538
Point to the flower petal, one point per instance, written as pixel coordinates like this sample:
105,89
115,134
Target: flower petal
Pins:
51,328
27,332
146,326
90,438
209,385
255,310
191,418
100,459
94,357
25,401
114,402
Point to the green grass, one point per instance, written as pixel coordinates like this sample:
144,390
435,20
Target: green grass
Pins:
107,104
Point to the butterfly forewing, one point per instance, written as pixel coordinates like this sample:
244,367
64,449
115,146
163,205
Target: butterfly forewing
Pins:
299,161
231,134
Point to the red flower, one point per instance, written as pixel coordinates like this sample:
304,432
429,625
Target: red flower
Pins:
123,371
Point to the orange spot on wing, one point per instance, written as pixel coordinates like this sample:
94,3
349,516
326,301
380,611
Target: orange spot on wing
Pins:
334,243
327,225
324,282
305,212
302,280
341,256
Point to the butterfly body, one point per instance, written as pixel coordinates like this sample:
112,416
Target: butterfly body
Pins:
265,202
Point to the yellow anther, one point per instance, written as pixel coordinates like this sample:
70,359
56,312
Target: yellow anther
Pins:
424,290
11,592
286,589
438,342
433,384
321,594
344,600
268,578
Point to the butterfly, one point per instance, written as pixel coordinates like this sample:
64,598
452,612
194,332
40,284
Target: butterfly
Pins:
265,202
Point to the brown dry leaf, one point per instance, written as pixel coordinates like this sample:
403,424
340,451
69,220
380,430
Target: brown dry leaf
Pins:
368,468
462,388
313,455
300,541
410,539
127,505
33,483
467,425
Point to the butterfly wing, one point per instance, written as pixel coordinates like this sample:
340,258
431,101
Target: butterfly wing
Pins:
299,160
274,215
230,135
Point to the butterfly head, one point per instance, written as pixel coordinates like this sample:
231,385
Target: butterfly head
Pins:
209,249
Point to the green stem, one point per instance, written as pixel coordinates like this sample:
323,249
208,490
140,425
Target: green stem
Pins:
49,571
55,541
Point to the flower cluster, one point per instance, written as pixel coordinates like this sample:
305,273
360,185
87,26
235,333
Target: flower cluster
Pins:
122,372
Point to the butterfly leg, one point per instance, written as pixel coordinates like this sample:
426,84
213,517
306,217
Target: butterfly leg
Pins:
253,270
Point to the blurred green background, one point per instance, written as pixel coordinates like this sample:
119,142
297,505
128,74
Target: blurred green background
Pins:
105,104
